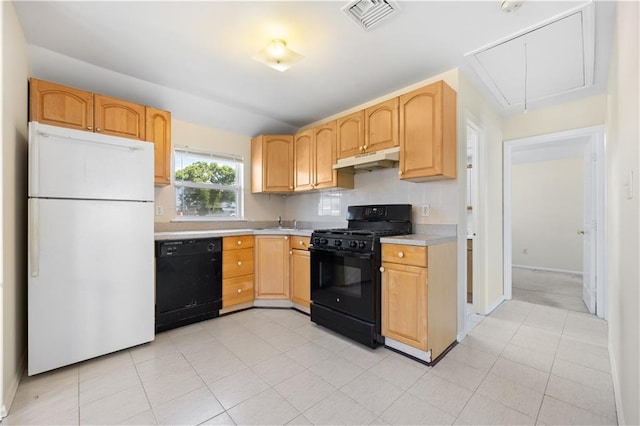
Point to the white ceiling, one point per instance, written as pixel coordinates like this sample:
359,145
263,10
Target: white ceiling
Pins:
194,58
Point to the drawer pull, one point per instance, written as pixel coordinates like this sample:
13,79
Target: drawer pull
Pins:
286,237
239,262
400,254
302,243
290,251
239,242
382,269
239,290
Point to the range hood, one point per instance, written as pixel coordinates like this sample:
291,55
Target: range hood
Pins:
382,159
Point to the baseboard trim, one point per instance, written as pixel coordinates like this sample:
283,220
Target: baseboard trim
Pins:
13,388
540,268
616,387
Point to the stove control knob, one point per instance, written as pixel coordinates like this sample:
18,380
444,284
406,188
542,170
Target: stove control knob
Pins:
362,244
353,244
323,241
316,240
337,243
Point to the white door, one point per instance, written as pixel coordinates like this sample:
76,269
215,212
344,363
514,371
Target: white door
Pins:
67,163
91,279
589,230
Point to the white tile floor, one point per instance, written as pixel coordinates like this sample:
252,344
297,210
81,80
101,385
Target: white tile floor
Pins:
524,364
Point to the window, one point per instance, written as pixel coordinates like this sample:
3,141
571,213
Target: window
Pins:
207,185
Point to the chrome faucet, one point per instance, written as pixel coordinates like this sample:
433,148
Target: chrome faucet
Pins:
295,224
279,221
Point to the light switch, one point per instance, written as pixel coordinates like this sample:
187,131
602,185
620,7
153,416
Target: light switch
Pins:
629,185
159,210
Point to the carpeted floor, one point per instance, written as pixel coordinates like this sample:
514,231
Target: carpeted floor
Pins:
557,289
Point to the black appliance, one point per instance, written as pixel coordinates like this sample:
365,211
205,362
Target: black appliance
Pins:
188,281
345,270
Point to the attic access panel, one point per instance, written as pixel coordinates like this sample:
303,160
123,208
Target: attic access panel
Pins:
560,59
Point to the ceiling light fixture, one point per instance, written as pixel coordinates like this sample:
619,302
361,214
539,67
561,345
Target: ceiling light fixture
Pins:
509,6
277,55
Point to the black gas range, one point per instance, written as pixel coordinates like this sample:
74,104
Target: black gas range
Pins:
345,270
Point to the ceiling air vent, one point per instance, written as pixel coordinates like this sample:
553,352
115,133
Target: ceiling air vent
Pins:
368,13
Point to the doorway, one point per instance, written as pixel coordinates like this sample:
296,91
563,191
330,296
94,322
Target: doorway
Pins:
581,149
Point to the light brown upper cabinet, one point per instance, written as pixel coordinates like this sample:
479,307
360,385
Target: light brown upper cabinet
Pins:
116,117
350,135
158,131
303,160
381,126
428,133
315,155
272,163
58,105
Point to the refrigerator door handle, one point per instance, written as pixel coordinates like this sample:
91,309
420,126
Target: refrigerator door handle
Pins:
34,240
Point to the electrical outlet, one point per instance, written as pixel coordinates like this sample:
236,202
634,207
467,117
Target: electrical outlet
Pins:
525,251
426,210
159,210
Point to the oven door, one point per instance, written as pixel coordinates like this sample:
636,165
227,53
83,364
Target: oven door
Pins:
346,282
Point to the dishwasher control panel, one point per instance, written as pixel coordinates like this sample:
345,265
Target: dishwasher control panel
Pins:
188,247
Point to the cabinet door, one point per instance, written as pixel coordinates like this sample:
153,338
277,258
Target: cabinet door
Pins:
303,161
236,263
404,304
350,135
158,131
59,105
301,277
272,266
427,133
119,118
381,126
277,163
325,155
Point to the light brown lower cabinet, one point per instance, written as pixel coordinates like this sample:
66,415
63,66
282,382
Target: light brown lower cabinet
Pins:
272,266
300,274
419,302
237,270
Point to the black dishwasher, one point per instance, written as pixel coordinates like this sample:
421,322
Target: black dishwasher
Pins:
188,281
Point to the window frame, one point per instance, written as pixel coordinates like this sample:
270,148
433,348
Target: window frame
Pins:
213,157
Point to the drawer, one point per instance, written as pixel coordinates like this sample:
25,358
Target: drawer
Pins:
236,263
405,255
237,243
298,242
237,290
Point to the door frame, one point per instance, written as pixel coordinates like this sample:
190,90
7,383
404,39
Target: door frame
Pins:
596,137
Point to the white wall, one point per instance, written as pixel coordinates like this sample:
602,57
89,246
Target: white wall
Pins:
487,246
256,206
546,212
623,212
15,69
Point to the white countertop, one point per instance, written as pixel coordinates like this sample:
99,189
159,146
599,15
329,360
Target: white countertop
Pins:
212,233
418,239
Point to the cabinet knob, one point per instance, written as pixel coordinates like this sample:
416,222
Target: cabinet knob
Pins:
286,237
382,269
239,290
399,172
89,128
366,146
239,262
301,243
362,148
400,254
98,129
290,251
239,242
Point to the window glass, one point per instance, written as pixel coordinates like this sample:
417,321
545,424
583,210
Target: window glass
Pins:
207,185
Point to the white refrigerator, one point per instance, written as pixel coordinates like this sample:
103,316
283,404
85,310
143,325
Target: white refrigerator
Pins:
91,262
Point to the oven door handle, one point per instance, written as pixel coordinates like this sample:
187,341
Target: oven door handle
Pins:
341,253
